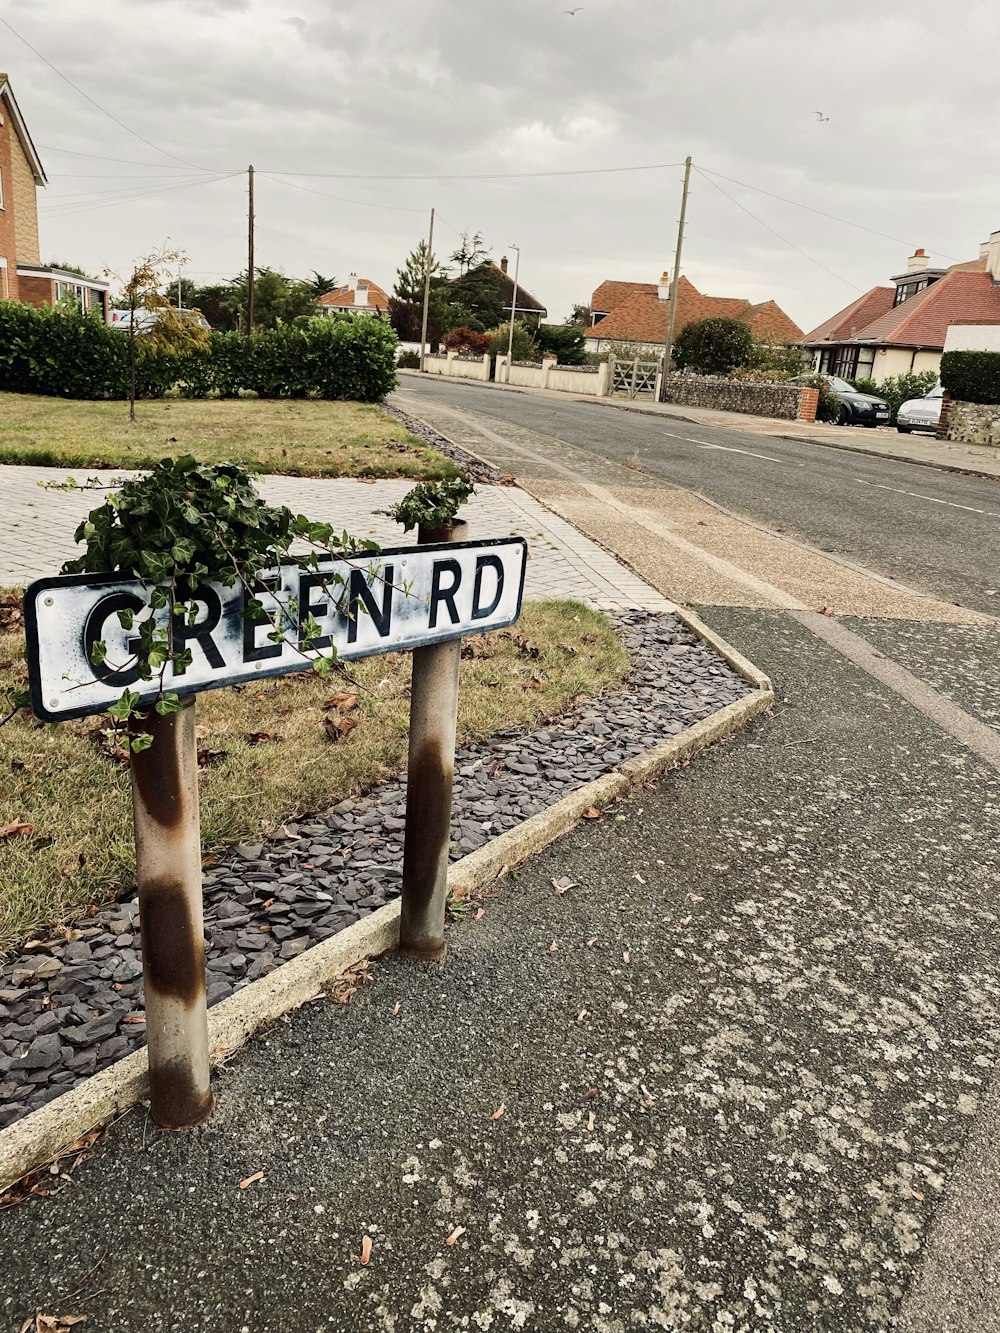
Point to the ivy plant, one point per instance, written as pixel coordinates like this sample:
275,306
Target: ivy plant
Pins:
183,524
432,504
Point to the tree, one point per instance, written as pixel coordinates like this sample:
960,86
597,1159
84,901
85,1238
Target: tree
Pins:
218,304
407,301
188,287
579,317
475,298
320,284
524,348
470,253
468,341
72,268
141,296
713,346
276,300
563,341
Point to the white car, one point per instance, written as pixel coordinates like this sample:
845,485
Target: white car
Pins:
921,413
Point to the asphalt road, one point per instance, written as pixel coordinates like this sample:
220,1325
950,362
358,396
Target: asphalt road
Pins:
936,531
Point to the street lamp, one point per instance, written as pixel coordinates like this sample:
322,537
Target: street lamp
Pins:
513,308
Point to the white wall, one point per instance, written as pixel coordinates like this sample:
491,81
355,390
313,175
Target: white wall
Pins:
972,338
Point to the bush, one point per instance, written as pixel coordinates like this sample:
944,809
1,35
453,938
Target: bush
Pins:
408,360
563,341
972,377
898,389
467,342
713,346
77,356
828,407
524,349
776,360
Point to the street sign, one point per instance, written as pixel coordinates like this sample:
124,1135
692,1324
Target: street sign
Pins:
390,601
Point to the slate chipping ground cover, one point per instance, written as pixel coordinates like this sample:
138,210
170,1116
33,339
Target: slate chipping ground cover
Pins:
74,1006
780,1072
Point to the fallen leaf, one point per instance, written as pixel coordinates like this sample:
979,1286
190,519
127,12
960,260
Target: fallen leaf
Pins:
250,1180
16,829
647,1096
396,1008
638,877
916,1194
626,956
592,941
694,898
366,1248
341,701
685,921
563,884
261,738
479,914
584,1013
337,728
459,1231
591,1119
499,1111
553,947
592,813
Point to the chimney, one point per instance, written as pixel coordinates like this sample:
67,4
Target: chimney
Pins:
993,256
917,262
663,291
352,282
361,294
503,264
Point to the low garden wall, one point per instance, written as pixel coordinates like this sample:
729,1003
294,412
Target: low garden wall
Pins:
759,398
462,367
971,423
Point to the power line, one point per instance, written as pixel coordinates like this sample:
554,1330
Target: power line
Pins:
323,194
100,157
819,211
86,96
476,175
773,232
70,210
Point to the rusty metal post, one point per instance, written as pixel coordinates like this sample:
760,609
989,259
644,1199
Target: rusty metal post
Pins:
430,771
168,868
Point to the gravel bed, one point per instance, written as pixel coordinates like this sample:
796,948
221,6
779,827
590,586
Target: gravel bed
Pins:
478,470
73,1005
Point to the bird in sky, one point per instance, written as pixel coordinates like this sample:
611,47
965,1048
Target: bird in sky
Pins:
819,115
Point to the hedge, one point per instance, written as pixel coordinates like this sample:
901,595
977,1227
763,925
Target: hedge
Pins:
48,352
972,377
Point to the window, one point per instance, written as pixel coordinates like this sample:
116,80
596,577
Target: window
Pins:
72,290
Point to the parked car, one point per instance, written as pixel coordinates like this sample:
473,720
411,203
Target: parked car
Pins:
856,409
921,413
146,319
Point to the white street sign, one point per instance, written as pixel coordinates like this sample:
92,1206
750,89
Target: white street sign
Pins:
389,601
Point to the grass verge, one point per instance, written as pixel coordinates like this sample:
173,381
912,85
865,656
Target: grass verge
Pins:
266,753
299,438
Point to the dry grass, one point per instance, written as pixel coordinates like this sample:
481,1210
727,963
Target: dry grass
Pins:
61,781
307,439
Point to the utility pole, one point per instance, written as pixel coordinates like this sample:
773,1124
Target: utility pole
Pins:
250,253
513,308
668,349
427,292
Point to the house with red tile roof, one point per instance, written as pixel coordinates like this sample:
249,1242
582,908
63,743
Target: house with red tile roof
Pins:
901,329
638,312
358,296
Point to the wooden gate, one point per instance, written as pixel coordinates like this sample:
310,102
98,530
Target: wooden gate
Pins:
633,377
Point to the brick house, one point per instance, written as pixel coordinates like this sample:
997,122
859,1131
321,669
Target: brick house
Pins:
638,312
23,277
901,329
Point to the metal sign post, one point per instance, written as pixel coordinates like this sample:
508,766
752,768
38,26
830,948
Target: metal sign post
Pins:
430,773
425,598
168,872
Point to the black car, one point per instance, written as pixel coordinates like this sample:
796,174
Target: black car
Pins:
856,409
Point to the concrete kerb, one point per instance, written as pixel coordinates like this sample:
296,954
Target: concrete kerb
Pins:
43,1133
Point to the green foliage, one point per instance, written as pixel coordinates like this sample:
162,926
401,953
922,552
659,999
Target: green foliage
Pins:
78,356
406,305
408,360
525,347
579,317
181,525
468,342
475,298
713,346
828,408
784,358
563,341
432,504
72,268
972,377
899,389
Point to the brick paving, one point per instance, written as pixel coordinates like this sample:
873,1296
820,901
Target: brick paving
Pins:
37,535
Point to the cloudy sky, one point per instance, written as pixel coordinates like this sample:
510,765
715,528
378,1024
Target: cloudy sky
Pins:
338,102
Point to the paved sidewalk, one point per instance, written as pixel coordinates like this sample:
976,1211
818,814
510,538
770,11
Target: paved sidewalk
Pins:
883,442
38,531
